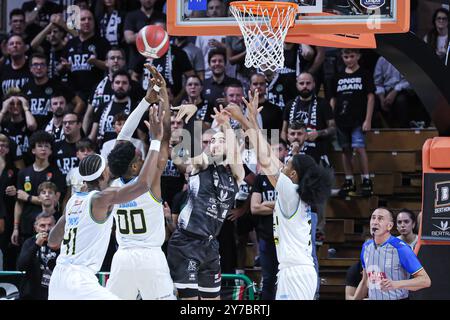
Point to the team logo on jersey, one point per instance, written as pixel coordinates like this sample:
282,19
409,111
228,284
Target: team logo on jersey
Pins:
49,91
279,88
192,266
49,176
91,48
223,196
10,173
372,4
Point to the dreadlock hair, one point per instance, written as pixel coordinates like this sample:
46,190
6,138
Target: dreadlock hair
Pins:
120,158
315,182
88,166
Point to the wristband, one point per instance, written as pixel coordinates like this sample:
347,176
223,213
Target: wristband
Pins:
155,145
29,198
156,88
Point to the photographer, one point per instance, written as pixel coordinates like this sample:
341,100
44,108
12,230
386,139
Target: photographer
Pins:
38,260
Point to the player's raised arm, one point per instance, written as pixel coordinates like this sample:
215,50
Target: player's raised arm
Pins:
153,96
104,200
269,163
233,157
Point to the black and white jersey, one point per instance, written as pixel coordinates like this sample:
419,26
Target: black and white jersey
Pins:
39,97
83,76
56,132
20,134
14,78
104,116
66,156
211,196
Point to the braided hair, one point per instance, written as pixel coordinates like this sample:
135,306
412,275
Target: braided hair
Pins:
90,165
315,182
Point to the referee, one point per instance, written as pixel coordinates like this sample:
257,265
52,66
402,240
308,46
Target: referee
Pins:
390,267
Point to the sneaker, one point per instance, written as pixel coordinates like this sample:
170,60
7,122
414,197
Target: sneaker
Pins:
347,189
367,188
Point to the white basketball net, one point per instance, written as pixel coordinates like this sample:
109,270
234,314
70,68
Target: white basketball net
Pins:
264,32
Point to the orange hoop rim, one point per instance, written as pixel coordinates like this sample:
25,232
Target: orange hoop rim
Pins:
268,5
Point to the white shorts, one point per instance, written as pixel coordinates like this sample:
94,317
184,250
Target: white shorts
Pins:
70,282
142,270
297,283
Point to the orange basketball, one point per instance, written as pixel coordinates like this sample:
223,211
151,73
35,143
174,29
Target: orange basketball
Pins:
152,41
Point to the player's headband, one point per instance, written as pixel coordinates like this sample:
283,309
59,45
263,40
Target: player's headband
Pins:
97,173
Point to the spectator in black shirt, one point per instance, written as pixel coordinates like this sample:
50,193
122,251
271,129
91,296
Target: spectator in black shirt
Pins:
213,88
38,14
17,24
279,89
135,21
40,90
28,203
38,260
437,37
58,107
353,103
115,61
271,115
194,89
8,180
110,21
16,73
103,124
17,122
65,150
84,57
51,42
316,114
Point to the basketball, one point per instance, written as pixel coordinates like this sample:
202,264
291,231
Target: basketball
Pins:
152,41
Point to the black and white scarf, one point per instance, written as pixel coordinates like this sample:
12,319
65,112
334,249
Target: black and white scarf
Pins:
109,27
105,113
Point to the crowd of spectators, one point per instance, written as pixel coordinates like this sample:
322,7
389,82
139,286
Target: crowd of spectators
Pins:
66,93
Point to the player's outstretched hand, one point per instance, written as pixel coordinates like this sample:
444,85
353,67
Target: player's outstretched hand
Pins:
236,112
253,106
156,83
185,110
156,75
155,123
221,116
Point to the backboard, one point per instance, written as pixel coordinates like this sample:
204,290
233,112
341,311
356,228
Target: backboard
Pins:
317,18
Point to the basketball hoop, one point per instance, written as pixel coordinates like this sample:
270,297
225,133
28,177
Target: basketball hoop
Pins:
264,25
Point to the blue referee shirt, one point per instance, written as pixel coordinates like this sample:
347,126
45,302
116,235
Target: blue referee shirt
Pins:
392,260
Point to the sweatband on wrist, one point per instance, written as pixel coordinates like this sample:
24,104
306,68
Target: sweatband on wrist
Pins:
156,88
155,145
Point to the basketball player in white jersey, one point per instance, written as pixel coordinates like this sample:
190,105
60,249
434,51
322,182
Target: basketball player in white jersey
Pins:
300,183
139,265
87,221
